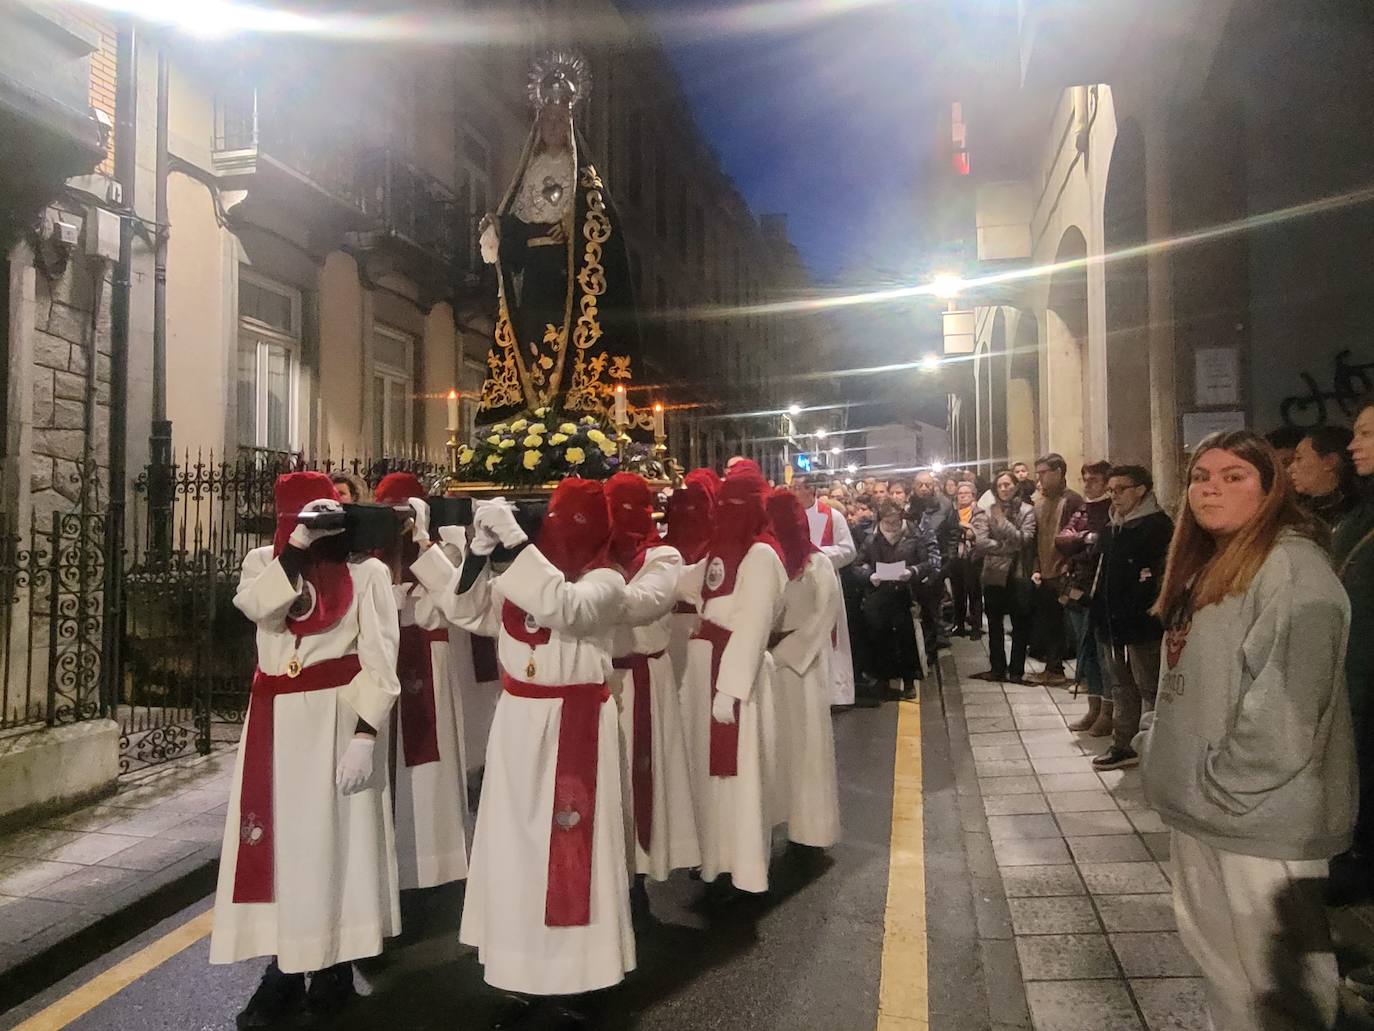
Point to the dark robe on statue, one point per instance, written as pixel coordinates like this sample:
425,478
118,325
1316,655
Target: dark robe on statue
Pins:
566,330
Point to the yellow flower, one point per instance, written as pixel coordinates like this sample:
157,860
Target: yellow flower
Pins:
567,427
506,445
495,438
558,438
596,437
575,456
533,440
519,424
541,412
538,428
492,462
500,427
465,456
588,420
532,458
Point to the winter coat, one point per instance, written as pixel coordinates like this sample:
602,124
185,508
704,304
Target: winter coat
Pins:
1006,548
937,516
1130,572
916,548
1354,564
1081,542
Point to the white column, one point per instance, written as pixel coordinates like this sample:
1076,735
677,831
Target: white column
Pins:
1164,435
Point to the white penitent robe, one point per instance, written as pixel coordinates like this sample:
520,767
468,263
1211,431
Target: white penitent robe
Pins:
431,798
504,907
334,856
830,533
686,615
801,690
734,814
644,630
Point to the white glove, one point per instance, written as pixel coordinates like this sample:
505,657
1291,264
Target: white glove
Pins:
906,574
303,536
723,708
499,522
456,538
420,534
874,579
489,242
355,765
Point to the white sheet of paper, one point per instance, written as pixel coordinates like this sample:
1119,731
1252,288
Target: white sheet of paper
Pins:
890,570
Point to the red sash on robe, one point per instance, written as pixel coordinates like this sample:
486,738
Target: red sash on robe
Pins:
641,742
568,899
724,749
415,670
254,870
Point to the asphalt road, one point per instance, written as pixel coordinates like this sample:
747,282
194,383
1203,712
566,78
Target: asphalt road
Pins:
807,955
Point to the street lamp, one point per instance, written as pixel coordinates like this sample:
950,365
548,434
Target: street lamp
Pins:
834,451
930,362
820,433
852,468
937,467
794,410
946,286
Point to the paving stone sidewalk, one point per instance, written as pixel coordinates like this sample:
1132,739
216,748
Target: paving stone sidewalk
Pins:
1084,869
69,873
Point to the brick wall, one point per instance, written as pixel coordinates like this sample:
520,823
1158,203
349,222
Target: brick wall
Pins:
102,68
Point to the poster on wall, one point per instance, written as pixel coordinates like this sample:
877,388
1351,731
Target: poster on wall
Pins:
1216,376
1197,425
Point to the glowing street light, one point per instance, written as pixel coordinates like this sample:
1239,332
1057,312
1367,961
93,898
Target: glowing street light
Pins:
834,451
794,410
852,468
820,433
946,286
930,362
937,467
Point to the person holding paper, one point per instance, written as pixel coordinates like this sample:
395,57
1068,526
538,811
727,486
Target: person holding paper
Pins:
898,556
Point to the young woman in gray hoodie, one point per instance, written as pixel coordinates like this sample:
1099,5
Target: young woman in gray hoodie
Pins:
1250,759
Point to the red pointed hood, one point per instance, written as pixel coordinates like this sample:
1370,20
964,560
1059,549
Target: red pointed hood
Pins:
792,529
631,507
741,522
398,488
692,514
328,580
577,529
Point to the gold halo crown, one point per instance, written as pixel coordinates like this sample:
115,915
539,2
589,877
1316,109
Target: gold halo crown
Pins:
559,77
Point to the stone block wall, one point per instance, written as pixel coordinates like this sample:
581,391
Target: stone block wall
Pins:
71,357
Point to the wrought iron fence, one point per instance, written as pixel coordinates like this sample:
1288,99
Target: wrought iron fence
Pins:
187,653
51,615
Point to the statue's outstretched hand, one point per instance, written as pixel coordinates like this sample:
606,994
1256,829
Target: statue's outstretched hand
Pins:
490,239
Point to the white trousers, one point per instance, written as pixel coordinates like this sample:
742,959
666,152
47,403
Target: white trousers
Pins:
1257,928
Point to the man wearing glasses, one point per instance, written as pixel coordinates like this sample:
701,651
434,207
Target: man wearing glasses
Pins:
1134,549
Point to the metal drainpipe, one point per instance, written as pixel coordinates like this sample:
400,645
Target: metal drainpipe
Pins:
126,126
160,431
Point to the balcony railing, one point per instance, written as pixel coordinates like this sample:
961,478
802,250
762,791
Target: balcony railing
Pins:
250,124
414,206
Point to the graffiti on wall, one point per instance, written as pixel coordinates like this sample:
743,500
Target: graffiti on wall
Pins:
1315,406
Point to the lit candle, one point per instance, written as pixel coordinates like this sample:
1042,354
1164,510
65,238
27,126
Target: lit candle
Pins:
658,419
621,418
453,411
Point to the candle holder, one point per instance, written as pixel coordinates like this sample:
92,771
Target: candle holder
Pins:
660,446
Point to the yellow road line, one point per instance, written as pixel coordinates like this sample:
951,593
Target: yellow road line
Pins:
124,973
902,994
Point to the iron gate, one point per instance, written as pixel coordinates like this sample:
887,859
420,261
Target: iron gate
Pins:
187,653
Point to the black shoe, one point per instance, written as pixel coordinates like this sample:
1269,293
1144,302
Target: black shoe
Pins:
909,690
331,989
277,997
990,675
1116,758
513,1012
975,634
565,1018
641,914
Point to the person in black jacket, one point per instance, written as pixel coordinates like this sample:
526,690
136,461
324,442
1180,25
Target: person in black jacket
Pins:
1134,549
887,603
933,513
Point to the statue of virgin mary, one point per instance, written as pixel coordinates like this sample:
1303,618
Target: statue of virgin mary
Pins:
566,329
